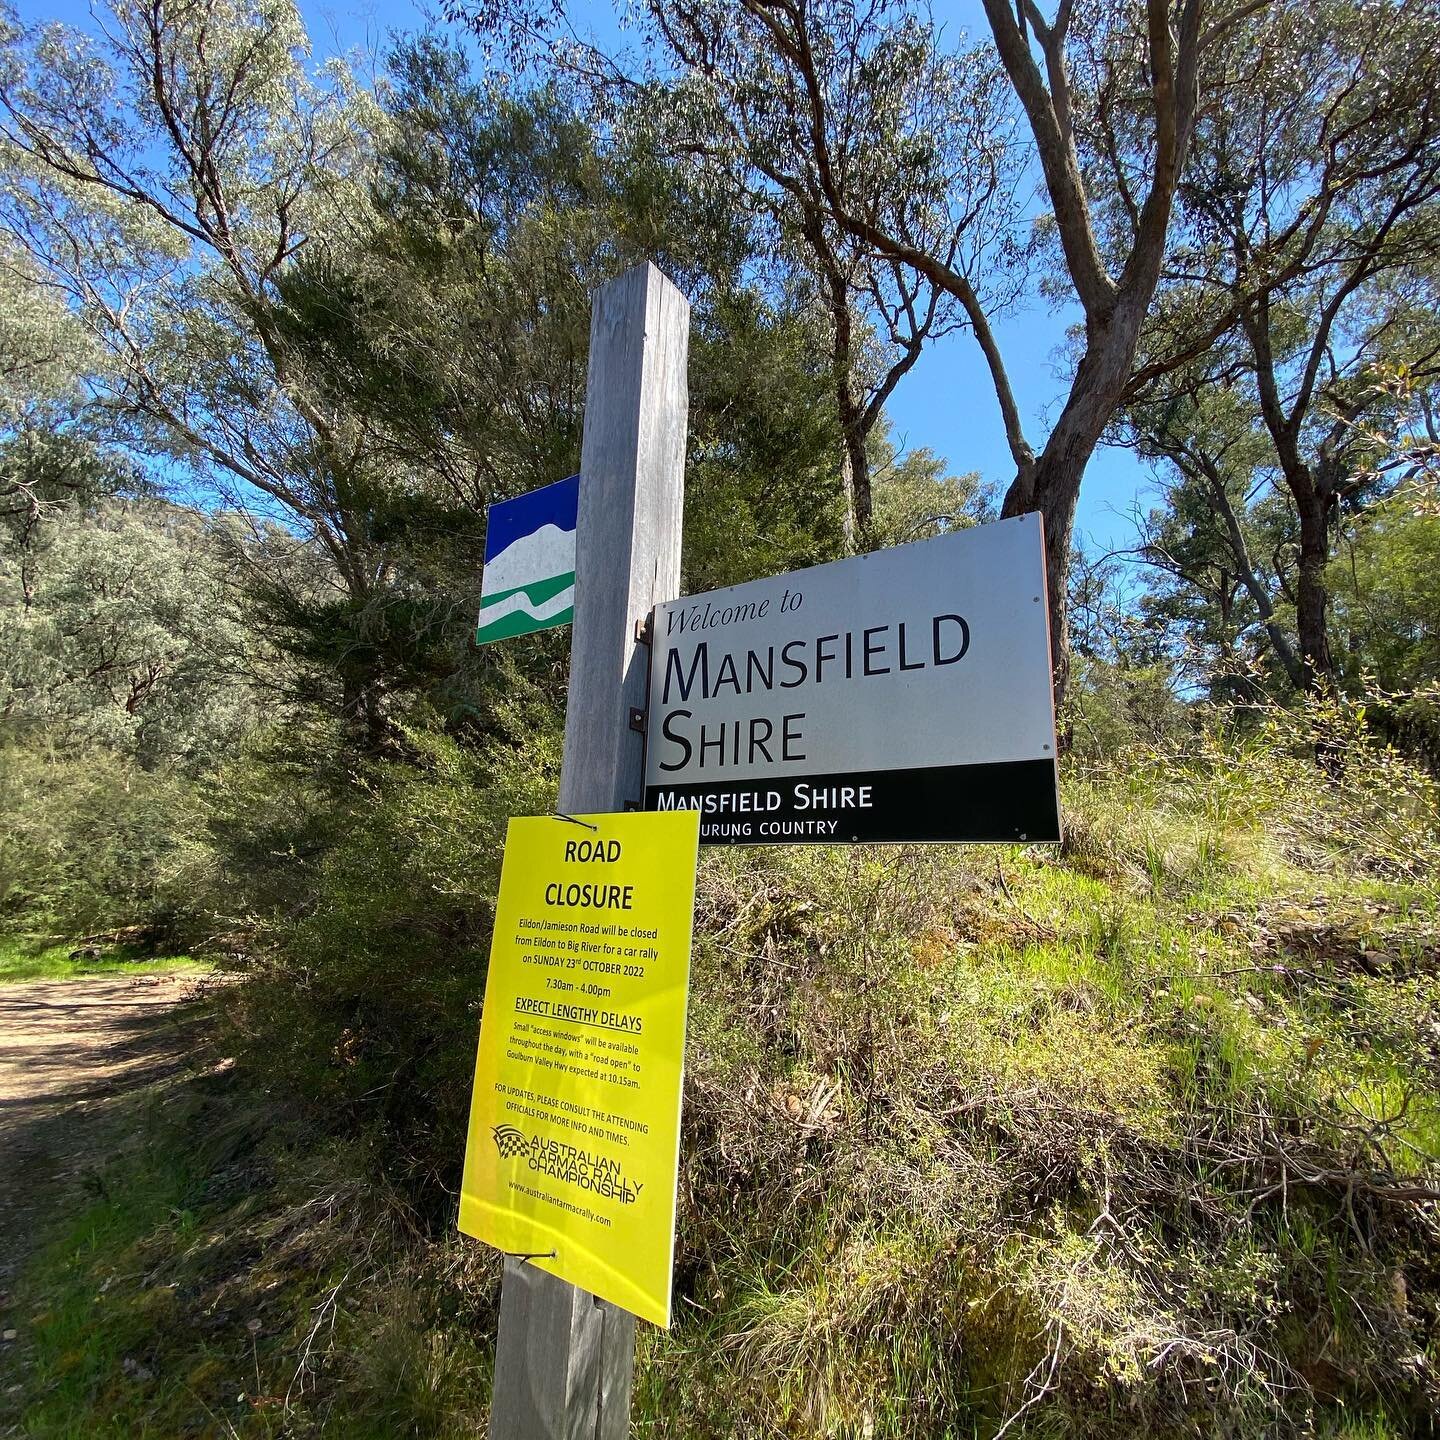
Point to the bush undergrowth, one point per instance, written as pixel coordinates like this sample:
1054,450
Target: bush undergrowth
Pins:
1139,1134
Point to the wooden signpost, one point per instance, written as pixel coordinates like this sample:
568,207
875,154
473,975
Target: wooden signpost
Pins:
903,695
564,1359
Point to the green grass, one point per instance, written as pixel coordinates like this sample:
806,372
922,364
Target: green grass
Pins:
23,958
84,1341
228,1274
1090,1115
1063,1079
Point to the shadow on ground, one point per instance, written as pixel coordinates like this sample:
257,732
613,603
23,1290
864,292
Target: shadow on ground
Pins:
71,1053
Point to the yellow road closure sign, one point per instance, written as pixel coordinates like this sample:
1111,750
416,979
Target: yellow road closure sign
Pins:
574,1138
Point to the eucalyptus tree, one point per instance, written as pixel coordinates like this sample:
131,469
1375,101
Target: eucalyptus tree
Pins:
116,625
736,107
865,117
43,347
1221,545
730,117
130,638
51,458
1308,230
499,208
164,175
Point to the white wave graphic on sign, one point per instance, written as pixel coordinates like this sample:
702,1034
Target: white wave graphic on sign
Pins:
546,610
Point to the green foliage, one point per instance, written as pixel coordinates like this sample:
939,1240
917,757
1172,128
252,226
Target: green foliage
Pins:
1122,1134
92,843
124,634
44,350
762,492
179,282
500,220
1386,586
1364,810
379,915
1111,708
916,499
1221,549
207,1288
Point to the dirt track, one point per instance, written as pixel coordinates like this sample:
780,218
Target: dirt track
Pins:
69,1050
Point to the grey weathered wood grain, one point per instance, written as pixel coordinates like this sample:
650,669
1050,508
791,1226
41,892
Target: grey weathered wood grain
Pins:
564,1359
627,556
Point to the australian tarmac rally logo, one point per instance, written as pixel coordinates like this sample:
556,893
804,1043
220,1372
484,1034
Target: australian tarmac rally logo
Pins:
596,1173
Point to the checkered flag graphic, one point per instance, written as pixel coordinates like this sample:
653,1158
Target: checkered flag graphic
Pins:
510,1142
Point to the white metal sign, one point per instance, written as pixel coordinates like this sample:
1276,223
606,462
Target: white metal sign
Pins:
901,695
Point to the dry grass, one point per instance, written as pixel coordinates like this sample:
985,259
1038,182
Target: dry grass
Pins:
1142,1136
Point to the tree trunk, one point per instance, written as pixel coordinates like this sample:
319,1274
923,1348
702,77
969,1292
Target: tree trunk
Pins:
1235,536
847,486
850,413
1052,485
1312,597
363,709
855,469
1052,488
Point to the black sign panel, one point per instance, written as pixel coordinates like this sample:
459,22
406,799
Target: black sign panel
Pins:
1006,801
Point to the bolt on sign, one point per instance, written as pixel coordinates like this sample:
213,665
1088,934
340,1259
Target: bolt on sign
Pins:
528,582
900,695
574,1138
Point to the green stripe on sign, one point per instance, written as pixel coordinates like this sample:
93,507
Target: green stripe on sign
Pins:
537,593
520,622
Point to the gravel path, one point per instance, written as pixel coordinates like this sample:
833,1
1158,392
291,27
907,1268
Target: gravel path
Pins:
69,1050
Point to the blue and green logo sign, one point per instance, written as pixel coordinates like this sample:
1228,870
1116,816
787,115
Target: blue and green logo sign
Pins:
529,579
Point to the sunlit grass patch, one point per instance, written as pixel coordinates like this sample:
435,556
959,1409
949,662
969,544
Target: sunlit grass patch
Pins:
23,958
1103,1076
89,1334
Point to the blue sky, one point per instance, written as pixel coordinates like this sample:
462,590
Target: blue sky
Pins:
945,404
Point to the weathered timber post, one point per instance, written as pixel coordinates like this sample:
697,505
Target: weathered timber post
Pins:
564,1359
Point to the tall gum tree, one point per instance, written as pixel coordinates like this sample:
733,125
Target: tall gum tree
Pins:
750,80
1219,538
735,91
1109,92
51,458
163,176
1309,212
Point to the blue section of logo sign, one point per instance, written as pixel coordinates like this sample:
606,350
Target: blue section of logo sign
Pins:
509,520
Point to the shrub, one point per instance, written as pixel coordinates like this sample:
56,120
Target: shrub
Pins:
92,842
364,987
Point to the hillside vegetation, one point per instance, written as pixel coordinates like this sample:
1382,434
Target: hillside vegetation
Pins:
1137,1134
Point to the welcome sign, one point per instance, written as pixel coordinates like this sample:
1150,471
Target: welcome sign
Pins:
900,695
529,578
